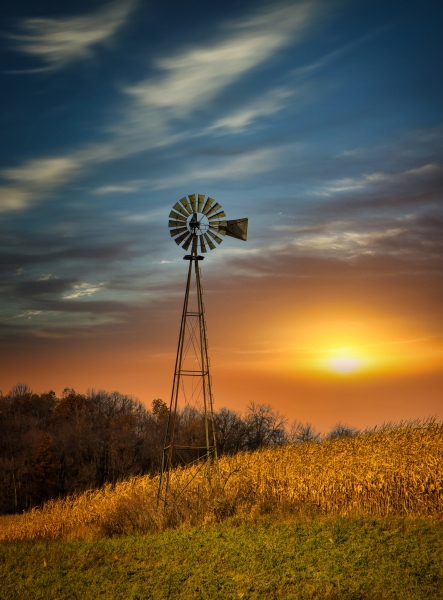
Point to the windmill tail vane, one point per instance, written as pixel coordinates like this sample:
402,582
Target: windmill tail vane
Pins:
197,222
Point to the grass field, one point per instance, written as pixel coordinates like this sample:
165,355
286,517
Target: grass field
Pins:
352,518
305,558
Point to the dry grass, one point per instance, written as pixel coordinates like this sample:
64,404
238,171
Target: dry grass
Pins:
394,471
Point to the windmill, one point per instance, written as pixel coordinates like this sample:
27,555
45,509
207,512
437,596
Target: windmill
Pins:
196,223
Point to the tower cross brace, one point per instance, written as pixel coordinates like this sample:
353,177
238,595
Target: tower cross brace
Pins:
192,320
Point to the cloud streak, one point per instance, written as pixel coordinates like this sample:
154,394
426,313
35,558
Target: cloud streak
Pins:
193,77
240,120
59,42
414,238
425,172
34,179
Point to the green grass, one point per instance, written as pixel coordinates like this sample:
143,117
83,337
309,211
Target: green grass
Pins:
324,558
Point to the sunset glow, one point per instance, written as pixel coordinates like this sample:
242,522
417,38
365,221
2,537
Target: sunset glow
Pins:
319,122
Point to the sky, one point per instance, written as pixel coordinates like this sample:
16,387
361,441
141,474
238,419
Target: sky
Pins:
319,121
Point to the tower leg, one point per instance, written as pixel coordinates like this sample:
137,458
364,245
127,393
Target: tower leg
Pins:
211,442
205,381
170,427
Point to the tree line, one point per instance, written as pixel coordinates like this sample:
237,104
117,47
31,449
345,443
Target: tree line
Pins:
51,447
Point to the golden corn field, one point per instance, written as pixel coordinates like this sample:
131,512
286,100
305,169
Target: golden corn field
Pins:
396,471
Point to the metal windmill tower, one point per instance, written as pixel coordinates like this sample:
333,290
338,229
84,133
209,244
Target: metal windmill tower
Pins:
196,223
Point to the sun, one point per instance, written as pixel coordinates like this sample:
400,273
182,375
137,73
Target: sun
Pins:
344,364
346,360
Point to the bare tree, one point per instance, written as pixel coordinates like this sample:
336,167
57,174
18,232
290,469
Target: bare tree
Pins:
300,433
264,426
21,390
231,431
341,431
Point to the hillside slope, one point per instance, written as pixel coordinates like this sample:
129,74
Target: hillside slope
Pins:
394,471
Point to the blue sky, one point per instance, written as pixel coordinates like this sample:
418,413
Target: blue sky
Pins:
320,121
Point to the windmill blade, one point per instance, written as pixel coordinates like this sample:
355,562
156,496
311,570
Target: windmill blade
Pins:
213,209
186,204
180,209
182,237
202,244
219,215
237,228
209,202
209,241
201,199
178,216
194,245
221,229
188,241
193,203
215,237
175,232
176,223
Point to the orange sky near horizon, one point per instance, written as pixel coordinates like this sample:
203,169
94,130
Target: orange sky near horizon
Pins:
362,400
348,352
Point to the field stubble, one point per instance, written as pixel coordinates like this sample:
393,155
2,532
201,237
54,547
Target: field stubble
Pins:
394,471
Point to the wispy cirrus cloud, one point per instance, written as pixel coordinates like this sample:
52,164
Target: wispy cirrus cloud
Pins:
58,42
240,120
411,176
414,237
125,188
191,78
185,82
34,179
83,289
278,99
233,168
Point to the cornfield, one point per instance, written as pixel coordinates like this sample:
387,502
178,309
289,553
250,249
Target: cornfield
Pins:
392,471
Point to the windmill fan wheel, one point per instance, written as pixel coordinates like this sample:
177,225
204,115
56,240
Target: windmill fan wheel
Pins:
197,220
